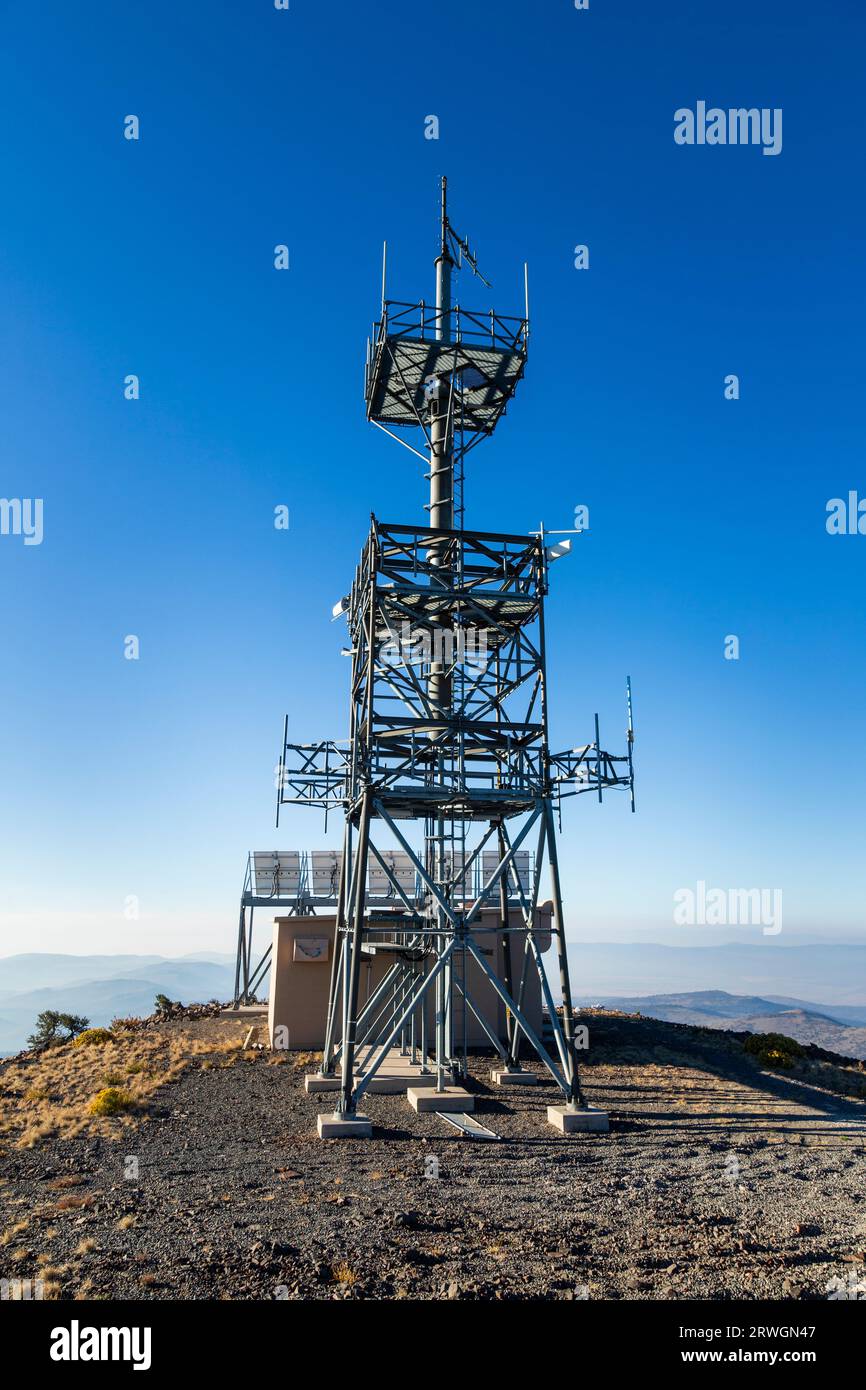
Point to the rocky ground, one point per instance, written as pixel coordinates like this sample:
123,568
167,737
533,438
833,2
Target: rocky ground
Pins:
716,1181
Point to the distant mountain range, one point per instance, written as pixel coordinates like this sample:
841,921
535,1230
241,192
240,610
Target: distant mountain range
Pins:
824,974
840,1030
102,987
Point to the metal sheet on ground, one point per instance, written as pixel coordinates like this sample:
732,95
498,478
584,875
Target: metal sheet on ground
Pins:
467,1124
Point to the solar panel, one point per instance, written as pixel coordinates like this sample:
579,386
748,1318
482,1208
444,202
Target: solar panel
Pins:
401,867
489,861
276,873
326,872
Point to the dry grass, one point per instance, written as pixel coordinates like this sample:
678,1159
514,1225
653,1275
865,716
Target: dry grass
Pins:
343,1273
49,1094
73,1203
497,1251
306,1060
13,1232
126,1222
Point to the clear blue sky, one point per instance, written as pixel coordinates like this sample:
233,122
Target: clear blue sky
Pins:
153,778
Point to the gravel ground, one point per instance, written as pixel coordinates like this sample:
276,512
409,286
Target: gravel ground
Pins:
716,1181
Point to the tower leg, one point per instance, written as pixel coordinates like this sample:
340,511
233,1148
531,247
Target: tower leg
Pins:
248,955
352,971
327,1068
512,1032
440,1024
423,1024
575,1098
242,938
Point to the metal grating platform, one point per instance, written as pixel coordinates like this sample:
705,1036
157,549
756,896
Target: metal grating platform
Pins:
484,380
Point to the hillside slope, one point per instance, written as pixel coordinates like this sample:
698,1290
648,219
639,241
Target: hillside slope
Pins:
748,1013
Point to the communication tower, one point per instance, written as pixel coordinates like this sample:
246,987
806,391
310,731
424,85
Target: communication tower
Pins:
447,776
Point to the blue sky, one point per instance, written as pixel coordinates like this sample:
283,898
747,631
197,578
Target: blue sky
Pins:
707,517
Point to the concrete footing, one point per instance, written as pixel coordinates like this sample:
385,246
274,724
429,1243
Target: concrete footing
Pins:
314,1085
344,1127
585,1121
513,1077
396,1074
391,1085
451,1098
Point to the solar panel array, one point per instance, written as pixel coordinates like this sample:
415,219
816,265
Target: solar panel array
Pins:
298,874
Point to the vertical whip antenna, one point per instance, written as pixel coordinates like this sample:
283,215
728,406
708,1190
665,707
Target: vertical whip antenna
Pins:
630,737
384,267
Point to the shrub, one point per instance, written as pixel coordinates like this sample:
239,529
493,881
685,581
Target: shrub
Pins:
110,1101
774,1049
775,1058
93,1037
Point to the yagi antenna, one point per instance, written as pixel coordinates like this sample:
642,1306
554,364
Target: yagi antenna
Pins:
465,253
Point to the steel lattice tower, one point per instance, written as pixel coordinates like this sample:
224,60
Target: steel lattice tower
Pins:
448,727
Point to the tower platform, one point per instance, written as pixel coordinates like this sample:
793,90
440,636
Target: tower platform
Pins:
478,359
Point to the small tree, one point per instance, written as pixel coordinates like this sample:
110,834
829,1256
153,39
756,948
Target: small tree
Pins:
74,1024
53,1028
163,1004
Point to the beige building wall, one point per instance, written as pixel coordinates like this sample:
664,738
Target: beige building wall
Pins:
301,973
